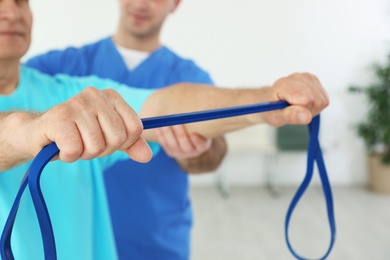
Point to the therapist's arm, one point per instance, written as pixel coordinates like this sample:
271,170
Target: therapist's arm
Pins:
302,90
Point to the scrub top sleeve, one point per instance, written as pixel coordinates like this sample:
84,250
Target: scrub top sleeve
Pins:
68,61
190,72
47,63
202,77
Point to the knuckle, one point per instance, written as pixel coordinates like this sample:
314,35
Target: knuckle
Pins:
60,111
181,135
326,102
90,91
314,77
298,76
95,150
95,146
135,130
111,93
307,99
171,146
118,139
307,75
77,103
88,97
281,81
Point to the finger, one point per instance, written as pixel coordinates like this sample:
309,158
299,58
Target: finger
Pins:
112,126
88,110
293,114
304,90
310,84
322,100
200,143
183,139
167,140
140,151
296,115
296,93
127,124
70,143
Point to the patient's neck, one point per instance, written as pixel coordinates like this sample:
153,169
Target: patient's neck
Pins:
9,76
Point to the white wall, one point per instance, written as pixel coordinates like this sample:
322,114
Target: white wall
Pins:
251,43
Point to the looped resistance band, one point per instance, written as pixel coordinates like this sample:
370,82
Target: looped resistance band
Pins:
314,154
32,176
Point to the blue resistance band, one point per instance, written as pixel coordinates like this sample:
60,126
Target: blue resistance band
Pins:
32,176
314,155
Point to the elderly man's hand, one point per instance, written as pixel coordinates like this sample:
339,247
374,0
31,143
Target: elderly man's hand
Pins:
92,124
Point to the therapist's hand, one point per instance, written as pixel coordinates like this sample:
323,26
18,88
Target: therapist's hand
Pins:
92,124
192,152
304,93
179,144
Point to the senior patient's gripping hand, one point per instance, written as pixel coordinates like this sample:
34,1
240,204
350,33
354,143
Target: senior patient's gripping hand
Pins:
94,123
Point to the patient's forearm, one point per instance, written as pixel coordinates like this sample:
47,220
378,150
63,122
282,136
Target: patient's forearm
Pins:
12,150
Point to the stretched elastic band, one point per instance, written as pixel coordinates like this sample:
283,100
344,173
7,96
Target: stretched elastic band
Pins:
32,176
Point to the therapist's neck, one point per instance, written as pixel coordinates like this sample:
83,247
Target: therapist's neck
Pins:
148,43
9,76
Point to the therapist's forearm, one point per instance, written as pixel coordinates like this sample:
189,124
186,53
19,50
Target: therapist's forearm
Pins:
183,98
303,91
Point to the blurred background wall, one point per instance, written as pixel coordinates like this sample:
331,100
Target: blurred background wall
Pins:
250,43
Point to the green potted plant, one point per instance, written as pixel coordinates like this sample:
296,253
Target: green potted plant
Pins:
375,129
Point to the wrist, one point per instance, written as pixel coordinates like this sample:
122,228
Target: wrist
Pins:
19,133
260,95
208,161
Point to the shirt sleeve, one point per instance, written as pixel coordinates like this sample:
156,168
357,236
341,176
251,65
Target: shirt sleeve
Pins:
189,71
46,63
198,75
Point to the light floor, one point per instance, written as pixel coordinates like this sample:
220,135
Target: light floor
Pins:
250,224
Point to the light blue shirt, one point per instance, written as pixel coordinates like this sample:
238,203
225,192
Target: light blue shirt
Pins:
74,193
